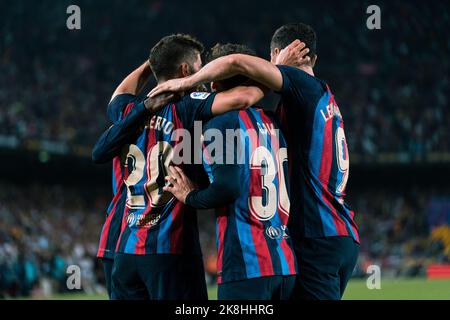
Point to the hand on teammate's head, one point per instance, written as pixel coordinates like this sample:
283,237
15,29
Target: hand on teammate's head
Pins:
295,54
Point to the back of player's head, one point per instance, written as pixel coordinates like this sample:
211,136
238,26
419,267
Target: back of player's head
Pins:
220,50
284,35
171,52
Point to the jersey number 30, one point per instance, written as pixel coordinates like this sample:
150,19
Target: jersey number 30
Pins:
264,206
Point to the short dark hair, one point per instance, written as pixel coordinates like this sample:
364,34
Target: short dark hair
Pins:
292,31
220,50
167,55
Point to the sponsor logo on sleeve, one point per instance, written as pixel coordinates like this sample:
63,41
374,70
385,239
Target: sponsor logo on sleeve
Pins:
200,95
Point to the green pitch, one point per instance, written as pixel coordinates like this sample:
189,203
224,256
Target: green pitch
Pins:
391,289
400,289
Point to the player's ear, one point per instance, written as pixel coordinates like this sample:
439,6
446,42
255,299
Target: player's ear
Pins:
184,70
213,86
313,61
274,54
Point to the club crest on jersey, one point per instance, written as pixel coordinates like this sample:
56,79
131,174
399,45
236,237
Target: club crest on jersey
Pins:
200,95
276,232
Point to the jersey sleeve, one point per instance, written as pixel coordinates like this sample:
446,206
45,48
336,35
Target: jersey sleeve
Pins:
223,190
195,107
117,106
225,150
222,168
297,84
122,132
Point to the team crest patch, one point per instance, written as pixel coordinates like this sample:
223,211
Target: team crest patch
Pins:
276,232
200,95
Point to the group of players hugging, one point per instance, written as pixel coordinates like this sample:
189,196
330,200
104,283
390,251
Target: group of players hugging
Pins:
283,229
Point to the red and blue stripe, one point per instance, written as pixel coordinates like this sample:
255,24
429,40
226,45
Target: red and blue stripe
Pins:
112,226
165,237
325,175
244,249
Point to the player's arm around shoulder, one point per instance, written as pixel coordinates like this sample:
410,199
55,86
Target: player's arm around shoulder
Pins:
264,71
240,97
125,129
257,69
118,105
127,91
226,67
135,81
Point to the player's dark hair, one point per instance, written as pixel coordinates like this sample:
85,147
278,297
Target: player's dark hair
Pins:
292,31
171,51
220,50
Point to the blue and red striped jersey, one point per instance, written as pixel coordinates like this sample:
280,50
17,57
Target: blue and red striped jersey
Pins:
118,108
251,233
153,221
314,129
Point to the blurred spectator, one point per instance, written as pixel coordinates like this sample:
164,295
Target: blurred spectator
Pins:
392,85
395,233
44,229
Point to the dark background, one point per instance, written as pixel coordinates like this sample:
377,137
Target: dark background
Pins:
392,87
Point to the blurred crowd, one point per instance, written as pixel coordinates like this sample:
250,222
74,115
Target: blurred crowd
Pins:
45,229
392,84
400,232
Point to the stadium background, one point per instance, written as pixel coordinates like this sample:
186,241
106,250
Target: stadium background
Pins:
392,86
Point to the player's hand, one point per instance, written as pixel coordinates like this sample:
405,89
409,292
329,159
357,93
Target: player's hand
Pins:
174,85
179,184
295,54
158,102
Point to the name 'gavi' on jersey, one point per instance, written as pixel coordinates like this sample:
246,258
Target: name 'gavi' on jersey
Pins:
251,233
